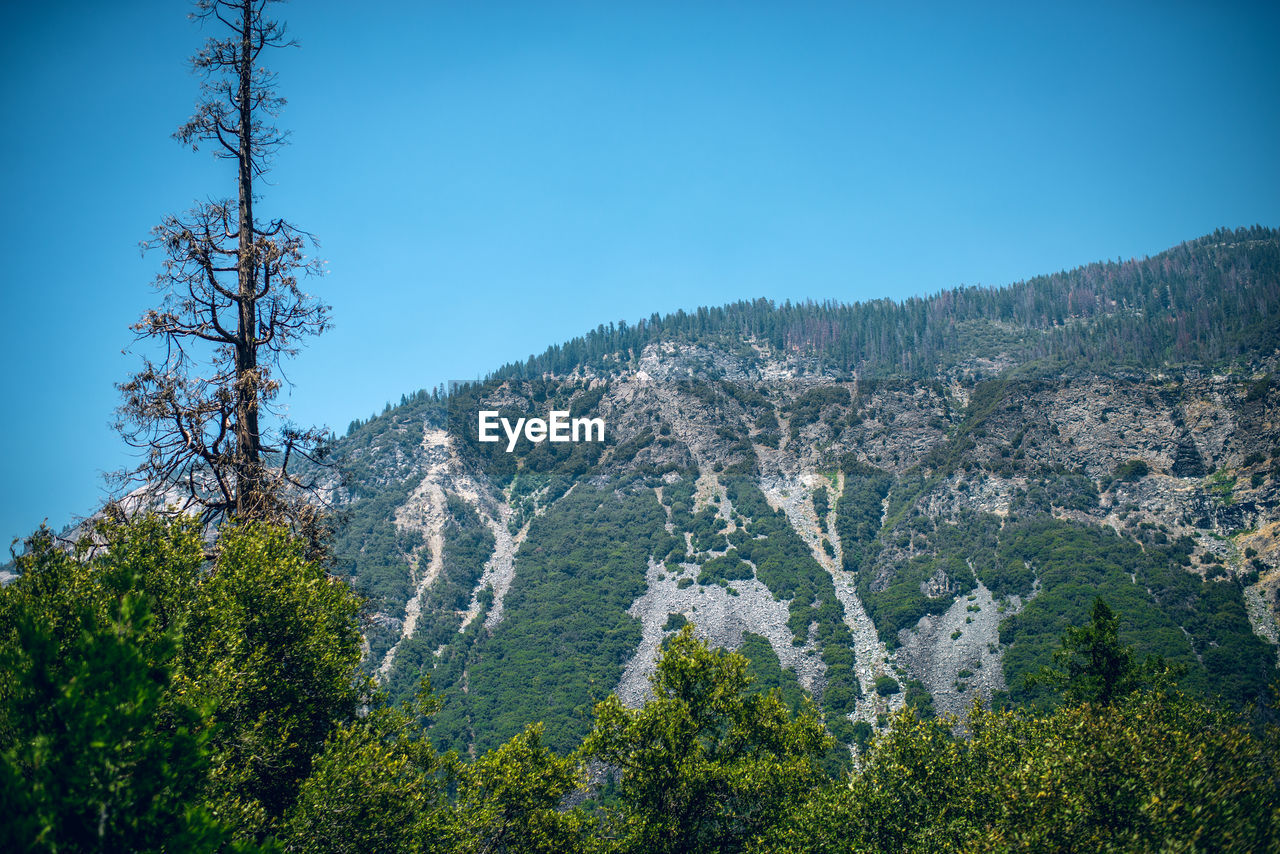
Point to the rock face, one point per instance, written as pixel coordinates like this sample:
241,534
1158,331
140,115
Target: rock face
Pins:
955,670
1187,461
933,515
718,616
1141,455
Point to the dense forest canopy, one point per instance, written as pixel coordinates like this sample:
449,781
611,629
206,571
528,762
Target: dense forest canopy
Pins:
1204,301
151,702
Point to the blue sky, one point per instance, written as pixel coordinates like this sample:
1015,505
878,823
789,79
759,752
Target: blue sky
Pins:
489,178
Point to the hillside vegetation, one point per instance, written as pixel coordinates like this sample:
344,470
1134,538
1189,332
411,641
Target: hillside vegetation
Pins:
145,694
931,490
994,568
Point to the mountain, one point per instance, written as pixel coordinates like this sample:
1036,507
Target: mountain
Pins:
879,503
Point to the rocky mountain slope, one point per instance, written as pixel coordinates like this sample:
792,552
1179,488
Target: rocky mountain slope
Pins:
872,521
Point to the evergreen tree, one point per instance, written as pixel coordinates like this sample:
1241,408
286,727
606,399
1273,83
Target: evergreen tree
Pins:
1093,666
704,765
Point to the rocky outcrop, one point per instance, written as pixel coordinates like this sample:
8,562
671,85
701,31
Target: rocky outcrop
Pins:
957,654
1182,456
720,615
1187,461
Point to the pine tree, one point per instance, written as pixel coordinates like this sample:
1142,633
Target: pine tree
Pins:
231,309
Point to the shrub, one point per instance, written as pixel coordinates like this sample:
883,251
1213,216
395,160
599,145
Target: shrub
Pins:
886,685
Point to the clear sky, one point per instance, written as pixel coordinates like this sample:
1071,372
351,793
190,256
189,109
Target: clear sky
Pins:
487,178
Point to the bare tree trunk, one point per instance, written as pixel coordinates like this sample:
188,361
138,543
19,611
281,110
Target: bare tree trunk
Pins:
247,438
232,308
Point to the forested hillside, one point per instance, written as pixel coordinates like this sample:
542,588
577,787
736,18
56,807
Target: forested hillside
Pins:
996,568
145,693
908,501
1203,302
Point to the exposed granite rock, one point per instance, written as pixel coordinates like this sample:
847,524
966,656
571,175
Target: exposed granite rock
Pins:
1208,449
958,669
717,615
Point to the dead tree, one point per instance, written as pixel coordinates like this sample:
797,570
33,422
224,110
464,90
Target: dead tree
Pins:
232,310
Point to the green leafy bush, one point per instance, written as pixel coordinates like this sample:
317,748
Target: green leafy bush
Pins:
886,685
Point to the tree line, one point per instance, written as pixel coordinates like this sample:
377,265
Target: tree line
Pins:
154,699
1205,301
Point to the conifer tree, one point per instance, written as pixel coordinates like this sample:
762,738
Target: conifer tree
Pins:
232,309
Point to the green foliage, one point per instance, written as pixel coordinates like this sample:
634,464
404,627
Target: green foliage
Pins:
786,566
903,602
452,724
808,407
766,672
919,700
372,551
511,800
1100,313
1092,665
767,423
705,528
1153,772
149,701
274,645
158,559
858,513
1258,389
821,506
705,765
725,568
376,786
679,497
96,754
1066,489
468,544
898,599
886,685
1221,486
379,462
1132,470
902,497
162,559
587,401
1198,627
566,633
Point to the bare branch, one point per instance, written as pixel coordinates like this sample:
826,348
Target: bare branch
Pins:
230,309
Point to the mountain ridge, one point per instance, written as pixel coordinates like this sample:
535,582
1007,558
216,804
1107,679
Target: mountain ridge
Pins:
1042,303
880,528
873,522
